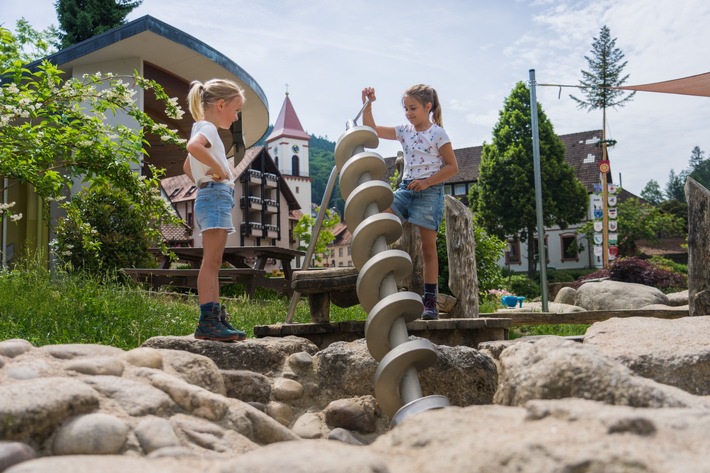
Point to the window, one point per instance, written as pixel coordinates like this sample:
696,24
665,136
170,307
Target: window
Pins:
459,189
295,166
512,253
297,189
340,252
570,247
175,192
348,250
447,189
191,190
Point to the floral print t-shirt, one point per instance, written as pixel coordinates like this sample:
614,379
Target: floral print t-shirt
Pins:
421,150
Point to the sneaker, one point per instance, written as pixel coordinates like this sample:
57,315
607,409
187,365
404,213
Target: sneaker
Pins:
210,328
224,319
431,312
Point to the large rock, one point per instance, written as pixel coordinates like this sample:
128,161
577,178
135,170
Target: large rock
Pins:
616,295
674,352
310,456
462,374
30,409
555,368
262,355
548,436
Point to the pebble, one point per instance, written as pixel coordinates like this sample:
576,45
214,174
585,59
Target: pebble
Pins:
285,389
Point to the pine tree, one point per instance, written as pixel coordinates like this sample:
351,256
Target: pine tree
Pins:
82,19
605,71
505,195
675,186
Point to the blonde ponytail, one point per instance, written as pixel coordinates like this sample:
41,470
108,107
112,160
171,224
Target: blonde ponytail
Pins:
202,95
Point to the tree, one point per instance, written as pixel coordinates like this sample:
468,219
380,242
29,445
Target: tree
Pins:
82,19
504,201
53,131
27,44
304,229
606,66
675,187
699,167
638,220
652,192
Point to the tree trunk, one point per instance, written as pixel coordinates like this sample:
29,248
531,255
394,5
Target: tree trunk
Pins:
461,251
698,198
410,242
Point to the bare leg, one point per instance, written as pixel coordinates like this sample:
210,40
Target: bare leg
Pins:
213,242
430,258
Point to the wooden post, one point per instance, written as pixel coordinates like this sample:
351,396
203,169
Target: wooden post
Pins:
410,242
698,198
461,250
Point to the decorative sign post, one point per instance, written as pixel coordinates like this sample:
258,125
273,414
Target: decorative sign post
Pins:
604,169
605,212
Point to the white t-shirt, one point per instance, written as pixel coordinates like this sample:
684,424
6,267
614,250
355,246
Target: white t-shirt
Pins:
421,150
199,169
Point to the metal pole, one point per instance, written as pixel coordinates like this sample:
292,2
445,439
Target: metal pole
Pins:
541,250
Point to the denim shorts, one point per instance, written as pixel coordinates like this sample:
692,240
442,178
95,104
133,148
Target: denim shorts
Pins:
213,207
423,209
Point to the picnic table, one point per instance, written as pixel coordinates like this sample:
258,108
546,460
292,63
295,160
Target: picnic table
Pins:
247,263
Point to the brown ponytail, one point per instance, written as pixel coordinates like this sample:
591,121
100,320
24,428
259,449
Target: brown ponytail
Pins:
424,95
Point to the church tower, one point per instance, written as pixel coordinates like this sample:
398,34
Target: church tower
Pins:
288,146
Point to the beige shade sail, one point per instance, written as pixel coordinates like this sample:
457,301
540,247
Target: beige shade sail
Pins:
694,85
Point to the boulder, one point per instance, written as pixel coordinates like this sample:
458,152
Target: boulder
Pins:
674,352
555,368
616,295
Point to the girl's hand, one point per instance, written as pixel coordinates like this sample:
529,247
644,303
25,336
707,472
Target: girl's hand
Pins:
368,93
418,185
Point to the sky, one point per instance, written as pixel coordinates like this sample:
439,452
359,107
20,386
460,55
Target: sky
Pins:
324,52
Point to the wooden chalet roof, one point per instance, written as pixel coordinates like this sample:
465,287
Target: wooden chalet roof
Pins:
582,153
180,188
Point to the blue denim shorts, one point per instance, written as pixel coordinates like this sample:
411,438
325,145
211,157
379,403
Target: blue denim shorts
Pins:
213,207
423,209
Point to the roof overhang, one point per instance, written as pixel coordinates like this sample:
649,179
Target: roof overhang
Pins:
174,59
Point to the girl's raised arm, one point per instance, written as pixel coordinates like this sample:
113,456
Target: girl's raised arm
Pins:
384,132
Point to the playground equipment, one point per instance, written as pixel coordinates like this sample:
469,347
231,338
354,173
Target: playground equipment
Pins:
397,387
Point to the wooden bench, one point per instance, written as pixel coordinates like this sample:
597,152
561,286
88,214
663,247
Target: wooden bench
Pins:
323,286
187,278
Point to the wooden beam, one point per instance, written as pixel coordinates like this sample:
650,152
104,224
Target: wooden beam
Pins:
588,317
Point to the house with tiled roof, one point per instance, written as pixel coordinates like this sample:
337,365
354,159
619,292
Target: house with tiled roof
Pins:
339,250
567,249
265,210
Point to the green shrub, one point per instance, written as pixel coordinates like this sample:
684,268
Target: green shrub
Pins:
106,212
668,264
520,285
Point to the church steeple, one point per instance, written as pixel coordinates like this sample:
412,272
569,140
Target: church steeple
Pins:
287,124
288,146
